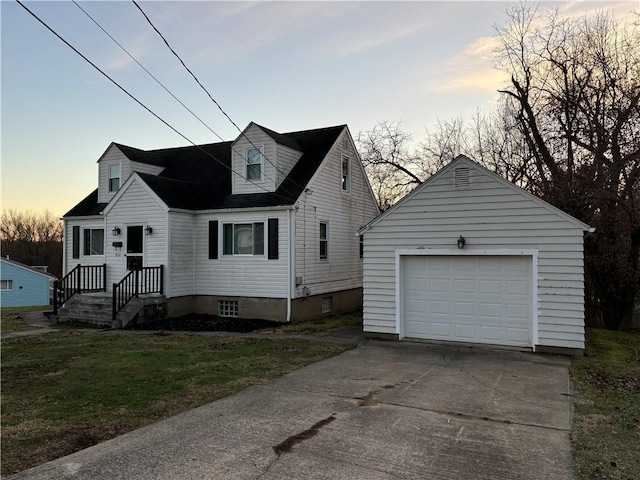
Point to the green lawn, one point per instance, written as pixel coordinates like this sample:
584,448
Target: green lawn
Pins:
65,391
606,436
10,321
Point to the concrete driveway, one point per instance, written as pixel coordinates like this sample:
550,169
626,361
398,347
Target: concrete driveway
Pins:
381,411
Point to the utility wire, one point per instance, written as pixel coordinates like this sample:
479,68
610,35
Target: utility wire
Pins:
139,102
166,89
148,72
208,94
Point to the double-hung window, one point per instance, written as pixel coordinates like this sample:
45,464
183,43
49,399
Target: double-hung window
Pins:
114,178
243,238
93,241
254,164
324,241
346,174
6,285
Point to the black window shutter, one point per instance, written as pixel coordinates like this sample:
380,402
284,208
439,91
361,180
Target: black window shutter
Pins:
76,242
272,249
213,239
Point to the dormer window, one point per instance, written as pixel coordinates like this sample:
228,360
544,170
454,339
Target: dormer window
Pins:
346,174
114,178
254,164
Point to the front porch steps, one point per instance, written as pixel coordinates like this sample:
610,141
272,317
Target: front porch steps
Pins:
95,309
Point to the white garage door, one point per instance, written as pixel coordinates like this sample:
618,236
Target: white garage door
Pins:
479,299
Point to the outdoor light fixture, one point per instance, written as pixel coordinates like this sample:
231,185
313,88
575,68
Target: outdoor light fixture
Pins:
115,231
148,230
461,242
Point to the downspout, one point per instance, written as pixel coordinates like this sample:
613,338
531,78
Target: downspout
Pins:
289,264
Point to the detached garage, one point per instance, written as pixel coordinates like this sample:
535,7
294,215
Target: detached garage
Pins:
469,257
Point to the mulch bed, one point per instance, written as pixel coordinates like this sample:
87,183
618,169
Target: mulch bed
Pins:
207,323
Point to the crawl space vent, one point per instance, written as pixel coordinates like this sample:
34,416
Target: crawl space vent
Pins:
461,177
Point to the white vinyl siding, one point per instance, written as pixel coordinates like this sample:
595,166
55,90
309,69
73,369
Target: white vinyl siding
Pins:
287,158
88,223
489,215
345,214
251,138
113,156
241,275
136,206
181,254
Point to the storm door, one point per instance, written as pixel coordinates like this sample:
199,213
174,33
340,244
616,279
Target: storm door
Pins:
134,247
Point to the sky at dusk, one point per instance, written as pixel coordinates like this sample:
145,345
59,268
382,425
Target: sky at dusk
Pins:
285,65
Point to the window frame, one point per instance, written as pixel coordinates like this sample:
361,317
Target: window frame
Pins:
111,178
228,308
256,227
323,241
88,250
260,151
345,178
9,285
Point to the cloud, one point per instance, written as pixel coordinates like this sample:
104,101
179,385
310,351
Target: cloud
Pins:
472,70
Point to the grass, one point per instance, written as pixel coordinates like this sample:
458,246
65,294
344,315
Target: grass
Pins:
606,436
320,326
10,318
65,391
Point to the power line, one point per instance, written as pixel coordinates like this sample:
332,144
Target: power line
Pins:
148,72
140,103
167,90
208,94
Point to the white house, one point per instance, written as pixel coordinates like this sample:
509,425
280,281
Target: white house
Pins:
469,257
22,285
259,227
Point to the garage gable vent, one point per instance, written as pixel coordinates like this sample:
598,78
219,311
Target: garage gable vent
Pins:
461,177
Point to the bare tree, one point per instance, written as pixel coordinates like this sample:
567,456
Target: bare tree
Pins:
29,234
567,129
393,170
575,86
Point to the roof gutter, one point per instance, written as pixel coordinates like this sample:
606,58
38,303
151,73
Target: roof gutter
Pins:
228,210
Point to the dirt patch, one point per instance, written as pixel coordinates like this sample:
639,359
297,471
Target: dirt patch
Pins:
194,322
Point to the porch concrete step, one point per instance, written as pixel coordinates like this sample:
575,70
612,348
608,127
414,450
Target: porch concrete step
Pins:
96,309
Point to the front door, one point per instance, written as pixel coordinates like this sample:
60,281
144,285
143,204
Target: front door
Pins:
134,247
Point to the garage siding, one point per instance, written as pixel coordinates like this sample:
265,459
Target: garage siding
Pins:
489,215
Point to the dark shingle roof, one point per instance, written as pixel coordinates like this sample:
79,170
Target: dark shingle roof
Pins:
88,206
199,177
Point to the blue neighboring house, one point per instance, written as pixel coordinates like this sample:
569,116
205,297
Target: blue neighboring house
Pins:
23,286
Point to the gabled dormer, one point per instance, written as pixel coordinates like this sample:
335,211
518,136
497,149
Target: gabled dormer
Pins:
261,159
117,163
